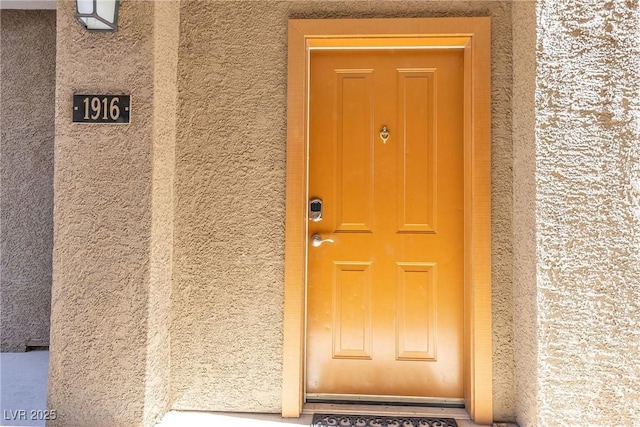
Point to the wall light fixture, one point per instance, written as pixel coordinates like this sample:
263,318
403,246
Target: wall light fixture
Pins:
98,15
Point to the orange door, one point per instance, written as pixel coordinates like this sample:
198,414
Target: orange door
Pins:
385,299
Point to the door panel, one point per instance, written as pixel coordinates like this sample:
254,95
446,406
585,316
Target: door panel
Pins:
385,300
354,204
416,311
416,139
352,328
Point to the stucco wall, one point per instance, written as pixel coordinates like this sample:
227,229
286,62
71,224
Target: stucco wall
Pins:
113,215
226,336
588,212
525,325
27,79
119,211
166,36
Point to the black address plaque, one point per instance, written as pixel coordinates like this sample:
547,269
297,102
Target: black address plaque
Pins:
101,108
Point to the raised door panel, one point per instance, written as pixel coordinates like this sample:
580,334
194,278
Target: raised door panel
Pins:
417,150
416,311
352,310
354,204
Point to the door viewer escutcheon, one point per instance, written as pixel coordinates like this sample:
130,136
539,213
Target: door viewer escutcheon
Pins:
384,134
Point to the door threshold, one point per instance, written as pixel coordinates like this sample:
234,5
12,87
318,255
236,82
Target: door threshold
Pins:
376,399
353,408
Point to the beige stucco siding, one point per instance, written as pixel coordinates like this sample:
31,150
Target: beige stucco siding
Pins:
109,363
227,312
588,215
525,325
27,76
169,232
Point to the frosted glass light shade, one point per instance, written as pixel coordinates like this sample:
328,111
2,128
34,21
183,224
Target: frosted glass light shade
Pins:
98,15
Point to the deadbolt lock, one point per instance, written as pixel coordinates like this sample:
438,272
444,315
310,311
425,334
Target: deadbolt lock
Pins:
315,210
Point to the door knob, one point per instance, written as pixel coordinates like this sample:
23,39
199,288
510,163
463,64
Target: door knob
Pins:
317,240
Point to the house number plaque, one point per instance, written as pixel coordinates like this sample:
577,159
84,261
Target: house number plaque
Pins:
101,108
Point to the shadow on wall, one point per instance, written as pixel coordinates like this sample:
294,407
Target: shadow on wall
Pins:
27,103
27,99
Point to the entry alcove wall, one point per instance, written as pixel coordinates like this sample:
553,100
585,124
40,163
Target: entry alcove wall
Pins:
27,91
228,291
168,271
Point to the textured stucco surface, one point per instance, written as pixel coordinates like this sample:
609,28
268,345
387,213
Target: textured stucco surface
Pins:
137,328
525,324
588,212
165,50
226,336
27,79
113,222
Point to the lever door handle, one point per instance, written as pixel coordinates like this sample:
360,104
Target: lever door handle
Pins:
317,240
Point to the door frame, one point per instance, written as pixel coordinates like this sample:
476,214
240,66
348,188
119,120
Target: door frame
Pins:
473,35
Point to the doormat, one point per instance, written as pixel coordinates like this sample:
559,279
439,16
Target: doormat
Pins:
327,420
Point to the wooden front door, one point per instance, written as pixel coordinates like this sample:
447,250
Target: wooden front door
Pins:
385,298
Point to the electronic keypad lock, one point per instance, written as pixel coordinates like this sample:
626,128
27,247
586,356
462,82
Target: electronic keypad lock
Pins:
315,210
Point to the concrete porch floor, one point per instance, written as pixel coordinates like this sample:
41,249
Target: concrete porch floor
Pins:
210,419
23,386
